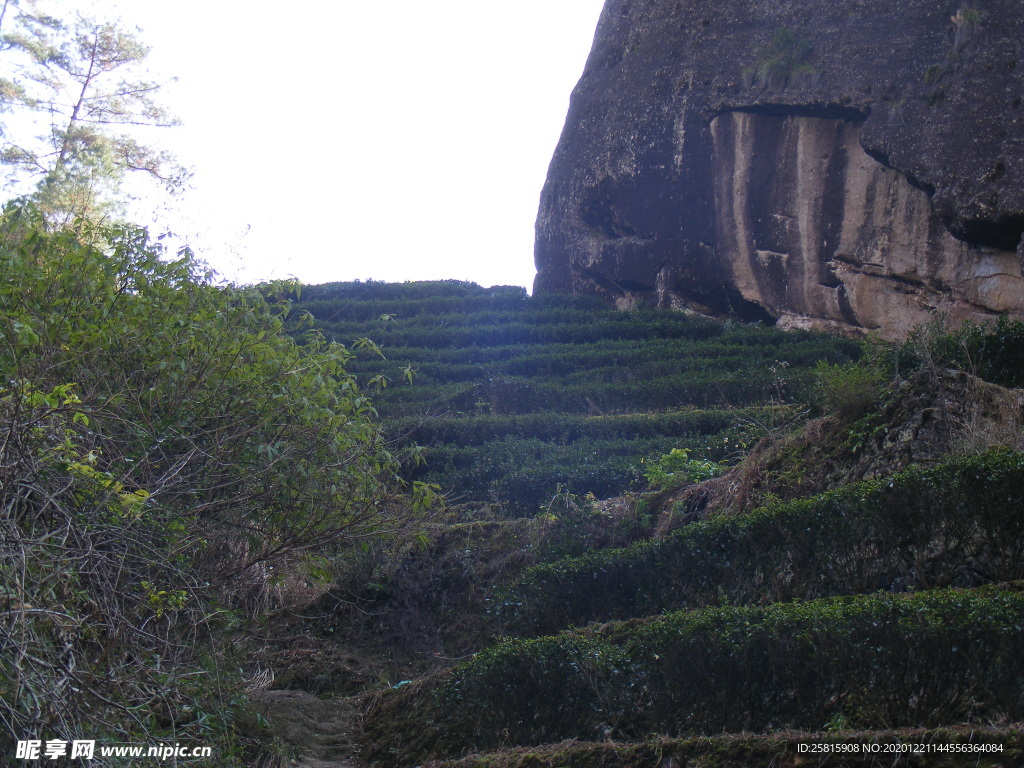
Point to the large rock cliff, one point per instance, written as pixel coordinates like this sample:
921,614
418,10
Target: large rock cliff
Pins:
850,165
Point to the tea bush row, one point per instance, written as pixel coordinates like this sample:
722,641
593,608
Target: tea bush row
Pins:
880,661
514,332
585,366
519,330
523,473
510,396
568,428
795,348
956,524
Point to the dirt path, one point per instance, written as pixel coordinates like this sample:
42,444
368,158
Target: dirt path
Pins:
320,730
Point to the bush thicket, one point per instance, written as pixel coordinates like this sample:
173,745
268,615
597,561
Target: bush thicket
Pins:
166,452
990,351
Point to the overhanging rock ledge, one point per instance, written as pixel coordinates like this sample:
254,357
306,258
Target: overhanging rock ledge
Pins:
853,166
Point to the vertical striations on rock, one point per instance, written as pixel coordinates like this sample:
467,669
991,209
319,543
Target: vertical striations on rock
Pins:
853,166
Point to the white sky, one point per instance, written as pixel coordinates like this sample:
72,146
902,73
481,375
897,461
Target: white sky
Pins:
401,140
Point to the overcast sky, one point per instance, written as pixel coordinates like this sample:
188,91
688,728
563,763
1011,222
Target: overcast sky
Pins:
400,140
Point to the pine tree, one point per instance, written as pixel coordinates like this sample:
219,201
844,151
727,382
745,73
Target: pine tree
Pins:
76,92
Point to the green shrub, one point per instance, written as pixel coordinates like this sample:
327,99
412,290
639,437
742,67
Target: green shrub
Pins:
991,351
676,469
848,390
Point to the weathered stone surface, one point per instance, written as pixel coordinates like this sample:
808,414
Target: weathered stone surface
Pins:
846,165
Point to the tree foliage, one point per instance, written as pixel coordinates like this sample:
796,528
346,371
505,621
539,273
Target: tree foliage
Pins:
166,451
78,91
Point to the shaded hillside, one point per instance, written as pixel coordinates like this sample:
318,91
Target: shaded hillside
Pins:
853,572
514,396
768,621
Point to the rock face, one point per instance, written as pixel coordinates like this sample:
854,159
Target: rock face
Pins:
852,165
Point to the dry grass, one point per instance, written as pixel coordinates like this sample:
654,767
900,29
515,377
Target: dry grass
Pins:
992,417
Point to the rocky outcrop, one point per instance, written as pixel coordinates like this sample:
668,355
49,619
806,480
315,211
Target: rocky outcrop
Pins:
924,420
853,166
